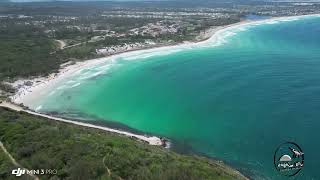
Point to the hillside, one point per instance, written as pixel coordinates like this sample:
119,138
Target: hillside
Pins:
84,153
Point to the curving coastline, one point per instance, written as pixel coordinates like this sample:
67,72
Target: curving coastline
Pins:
26,95
48,84
40,87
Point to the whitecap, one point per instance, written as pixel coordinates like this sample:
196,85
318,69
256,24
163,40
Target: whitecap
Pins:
61,87
51,93
38,108
70,82
75,85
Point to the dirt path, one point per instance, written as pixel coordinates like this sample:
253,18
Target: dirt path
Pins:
62,44
153,140
78,44
14,162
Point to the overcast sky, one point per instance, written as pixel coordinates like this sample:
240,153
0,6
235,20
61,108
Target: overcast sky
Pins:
141,0
76,0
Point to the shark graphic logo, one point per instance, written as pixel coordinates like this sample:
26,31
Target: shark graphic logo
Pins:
289,159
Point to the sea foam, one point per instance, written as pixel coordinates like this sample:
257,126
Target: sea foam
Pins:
81,72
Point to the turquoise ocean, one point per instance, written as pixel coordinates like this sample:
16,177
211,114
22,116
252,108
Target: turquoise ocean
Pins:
234,98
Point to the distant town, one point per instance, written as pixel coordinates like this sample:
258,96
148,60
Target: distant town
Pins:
45,43
63,32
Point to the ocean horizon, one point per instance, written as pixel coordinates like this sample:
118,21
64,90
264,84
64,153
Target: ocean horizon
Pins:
234,97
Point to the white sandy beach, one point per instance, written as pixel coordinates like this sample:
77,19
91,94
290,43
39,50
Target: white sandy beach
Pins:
40,87
152,140
26,95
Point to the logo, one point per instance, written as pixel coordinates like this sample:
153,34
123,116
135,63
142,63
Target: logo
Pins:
19,172
289,159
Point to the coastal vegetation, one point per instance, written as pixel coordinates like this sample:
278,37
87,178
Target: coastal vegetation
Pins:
29,32
83,153
31,35
25,52
36,39
5,166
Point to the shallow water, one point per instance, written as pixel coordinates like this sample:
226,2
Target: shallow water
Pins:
236,101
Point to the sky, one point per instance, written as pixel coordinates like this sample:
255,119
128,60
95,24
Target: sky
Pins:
74,0
130,0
